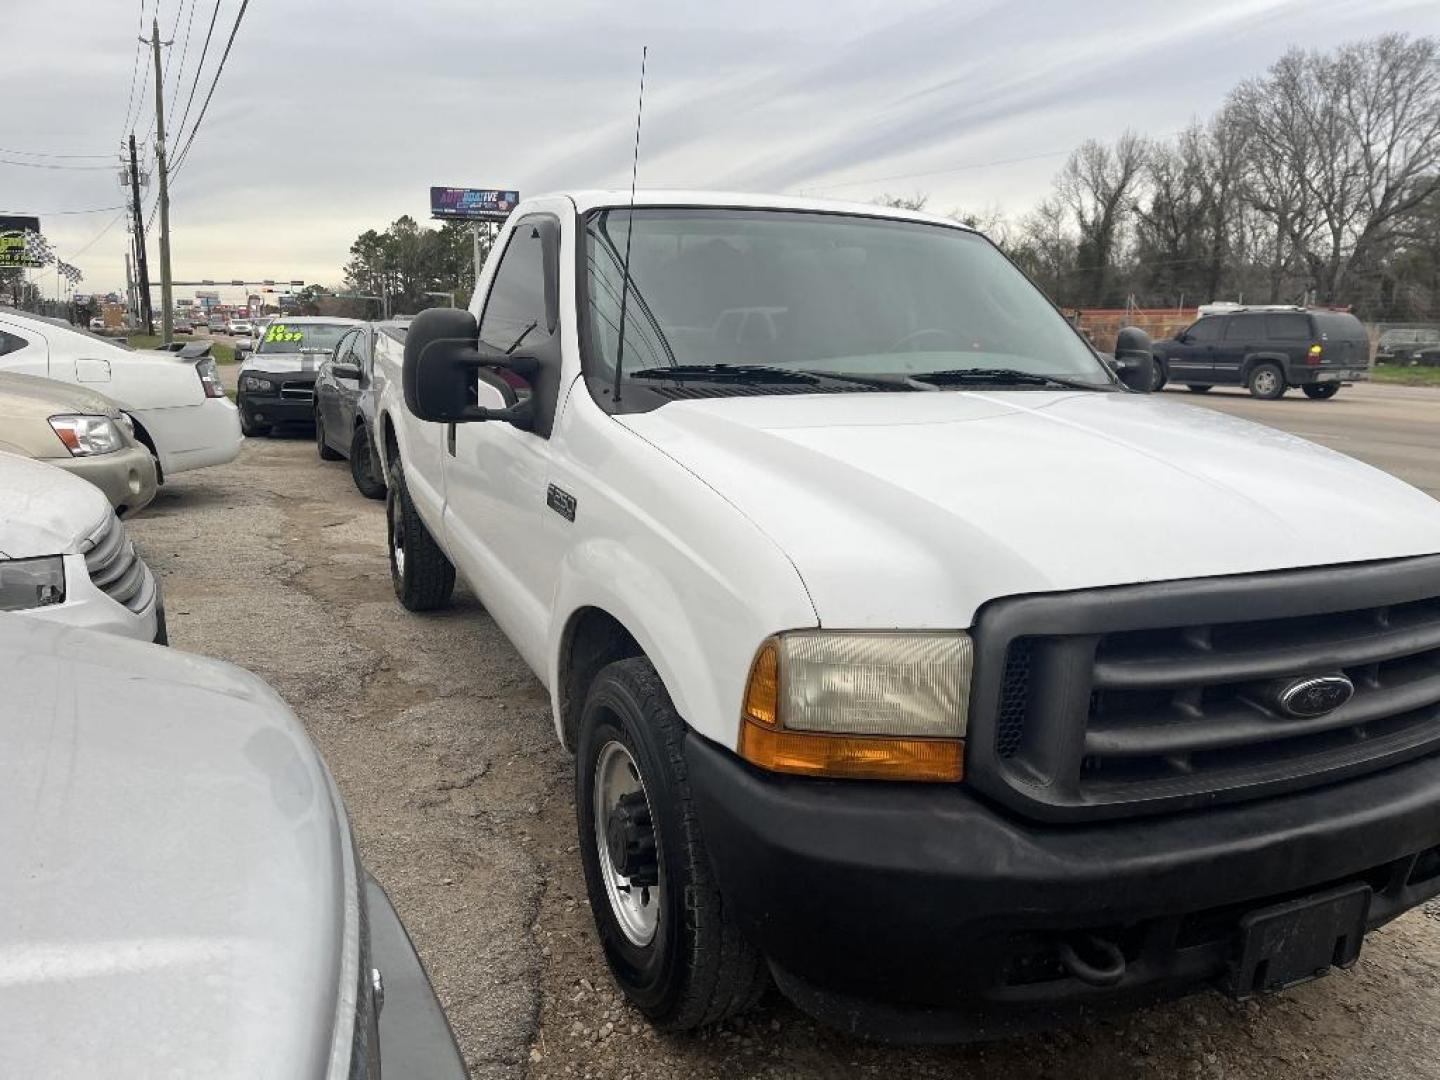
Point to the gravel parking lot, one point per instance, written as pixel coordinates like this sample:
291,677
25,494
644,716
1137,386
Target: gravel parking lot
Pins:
441,740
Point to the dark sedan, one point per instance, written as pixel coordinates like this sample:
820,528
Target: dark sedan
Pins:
347,386
276,383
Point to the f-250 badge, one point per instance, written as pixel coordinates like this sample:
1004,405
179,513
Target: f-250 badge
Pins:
561,501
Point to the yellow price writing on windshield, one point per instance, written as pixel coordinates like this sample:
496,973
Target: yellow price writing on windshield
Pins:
279,332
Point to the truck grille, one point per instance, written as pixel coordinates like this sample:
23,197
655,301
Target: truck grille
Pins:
116,569
298,391
1146,698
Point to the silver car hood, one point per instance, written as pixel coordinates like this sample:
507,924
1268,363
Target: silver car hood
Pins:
173,866
277,363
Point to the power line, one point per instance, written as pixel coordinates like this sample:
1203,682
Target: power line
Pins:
180,158
48,154
52,166
199,67
57,213
184,49
98,236
134,71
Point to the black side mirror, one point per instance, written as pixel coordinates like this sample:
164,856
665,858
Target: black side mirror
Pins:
345,371
444,362
1134,361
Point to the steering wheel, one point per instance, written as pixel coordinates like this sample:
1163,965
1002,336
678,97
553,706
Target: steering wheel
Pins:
916,337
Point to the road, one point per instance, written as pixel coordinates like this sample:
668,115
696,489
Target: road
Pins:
441,741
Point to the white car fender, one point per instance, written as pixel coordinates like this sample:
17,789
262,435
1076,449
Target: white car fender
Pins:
695,582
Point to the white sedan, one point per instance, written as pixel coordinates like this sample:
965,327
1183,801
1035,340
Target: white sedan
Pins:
65,556
176,403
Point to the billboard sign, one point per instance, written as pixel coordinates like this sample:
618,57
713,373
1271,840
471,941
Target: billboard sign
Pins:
472,204
14,249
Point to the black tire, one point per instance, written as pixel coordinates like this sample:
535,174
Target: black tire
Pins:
1321,391
327,452
363,469
1199,388
1266,381
250,430
423,577
697,968
1162,376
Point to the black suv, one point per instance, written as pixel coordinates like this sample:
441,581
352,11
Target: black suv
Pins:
1268,351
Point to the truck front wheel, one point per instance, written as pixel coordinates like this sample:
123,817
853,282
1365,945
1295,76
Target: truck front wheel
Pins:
423,577
669,941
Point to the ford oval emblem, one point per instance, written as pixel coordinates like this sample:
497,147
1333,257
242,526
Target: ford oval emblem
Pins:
1314,695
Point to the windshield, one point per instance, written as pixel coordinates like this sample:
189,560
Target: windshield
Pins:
818,292
293,337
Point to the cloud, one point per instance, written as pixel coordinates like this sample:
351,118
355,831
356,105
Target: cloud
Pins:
334,116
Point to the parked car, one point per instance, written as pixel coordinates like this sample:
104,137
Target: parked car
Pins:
276,382
97,323
65,557
216,324
1407,345
347,387
80,431
905,655
239,327
1268,351
182,326
176,402
183,892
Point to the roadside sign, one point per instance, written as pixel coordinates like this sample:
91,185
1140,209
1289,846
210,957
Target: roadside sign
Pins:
472,204
15,249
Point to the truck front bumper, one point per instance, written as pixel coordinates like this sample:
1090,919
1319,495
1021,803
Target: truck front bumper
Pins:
923,913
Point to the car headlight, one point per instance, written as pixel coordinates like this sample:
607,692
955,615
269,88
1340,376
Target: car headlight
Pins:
877,706
31,583
257,384
87,435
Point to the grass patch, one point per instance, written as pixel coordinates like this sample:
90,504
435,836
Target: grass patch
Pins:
1405,376
223,354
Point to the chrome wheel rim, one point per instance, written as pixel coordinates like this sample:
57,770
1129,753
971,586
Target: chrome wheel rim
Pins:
397,540
1265,382
636,907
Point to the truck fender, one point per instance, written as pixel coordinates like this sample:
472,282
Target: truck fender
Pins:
601,574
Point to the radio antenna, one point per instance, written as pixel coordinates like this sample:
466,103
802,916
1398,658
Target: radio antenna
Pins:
630,229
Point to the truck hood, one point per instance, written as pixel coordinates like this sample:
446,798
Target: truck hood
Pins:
173,866
44,510
912,510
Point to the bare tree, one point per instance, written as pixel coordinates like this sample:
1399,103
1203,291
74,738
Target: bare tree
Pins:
1045,249
1097,186
1342,148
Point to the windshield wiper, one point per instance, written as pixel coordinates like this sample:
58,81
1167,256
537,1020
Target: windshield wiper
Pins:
1000,377
766,373
753,373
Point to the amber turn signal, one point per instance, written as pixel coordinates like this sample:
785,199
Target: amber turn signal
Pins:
855,757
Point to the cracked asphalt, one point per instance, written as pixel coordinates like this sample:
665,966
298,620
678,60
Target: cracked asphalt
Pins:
441,741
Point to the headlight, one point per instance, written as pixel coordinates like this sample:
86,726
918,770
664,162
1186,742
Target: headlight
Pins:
86,435
881,706
31,583
257,384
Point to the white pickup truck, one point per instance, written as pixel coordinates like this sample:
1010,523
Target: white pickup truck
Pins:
907,655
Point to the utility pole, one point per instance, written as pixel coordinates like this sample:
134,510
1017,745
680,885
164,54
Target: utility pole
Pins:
131,311
142,265
166,328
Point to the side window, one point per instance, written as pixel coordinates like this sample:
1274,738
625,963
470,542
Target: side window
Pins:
1246,328
343,347
362,352
11,343
514,312
1288,327
1206,330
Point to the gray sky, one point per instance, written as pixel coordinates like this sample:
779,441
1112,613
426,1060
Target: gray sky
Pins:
334,116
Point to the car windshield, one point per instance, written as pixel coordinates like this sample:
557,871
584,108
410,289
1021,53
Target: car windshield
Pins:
818,292
293,337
